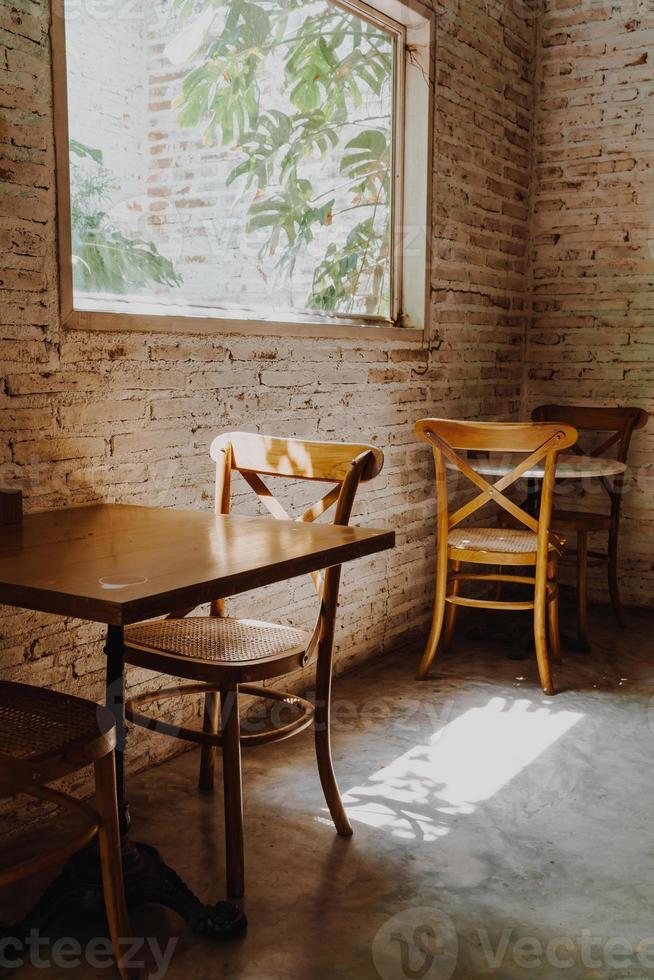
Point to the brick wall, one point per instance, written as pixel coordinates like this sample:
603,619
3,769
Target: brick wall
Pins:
591,335
129,418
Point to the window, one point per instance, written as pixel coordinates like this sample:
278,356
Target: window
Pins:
232,162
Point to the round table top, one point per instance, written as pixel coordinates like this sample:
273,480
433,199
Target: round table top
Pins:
568,467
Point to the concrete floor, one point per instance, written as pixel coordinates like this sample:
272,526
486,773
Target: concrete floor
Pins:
497,832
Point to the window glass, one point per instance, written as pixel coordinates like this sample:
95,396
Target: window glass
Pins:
231,155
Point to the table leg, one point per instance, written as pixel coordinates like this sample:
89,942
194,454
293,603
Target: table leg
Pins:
148,880
115,700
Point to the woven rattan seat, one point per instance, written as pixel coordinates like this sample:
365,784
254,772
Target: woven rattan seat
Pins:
509,541
36,722
44,737
218,639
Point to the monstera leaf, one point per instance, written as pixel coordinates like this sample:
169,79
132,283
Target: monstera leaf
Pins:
289,213
105,257
332,65
82,150
338,277
366,154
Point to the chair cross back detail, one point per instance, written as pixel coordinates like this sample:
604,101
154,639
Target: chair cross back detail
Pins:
613,439
274,507
494,491
255,455
600,449
620,423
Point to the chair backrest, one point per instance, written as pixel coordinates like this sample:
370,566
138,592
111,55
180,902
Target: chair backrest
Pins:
620,423
346,465
535,441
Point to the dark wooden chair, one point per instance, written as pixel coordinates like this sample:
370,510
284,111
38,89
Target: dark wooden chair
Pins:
530,543
614,427
226,656
45,735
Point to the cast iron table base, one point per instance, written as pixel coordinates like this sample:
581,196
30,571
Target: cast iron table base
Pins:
148,880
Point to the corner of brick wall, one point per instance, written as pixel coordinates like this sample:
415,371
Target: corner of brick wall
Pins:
591,329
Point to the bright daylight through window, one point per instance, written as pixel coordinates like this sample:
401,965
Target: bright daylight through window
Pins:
229,158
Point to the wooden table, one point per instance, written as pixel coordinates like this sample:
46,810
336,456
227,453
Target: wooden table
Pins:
117,564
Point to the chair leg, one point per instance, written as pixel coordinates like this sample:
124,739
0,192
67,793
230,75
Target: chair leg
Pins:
451,610
582,588
233,791
436,623
208,752
110,857
324,759
553,614
540,633
613,577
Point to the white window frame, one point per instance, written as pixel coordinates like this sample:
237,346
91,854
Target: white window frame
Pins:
413,26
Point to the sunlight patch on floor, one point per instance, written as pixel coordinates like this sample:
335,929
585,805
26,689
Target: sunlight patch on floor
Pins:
464,763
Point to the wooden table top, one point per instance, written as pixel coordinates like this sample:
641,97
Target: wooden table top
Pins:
113,563
568,467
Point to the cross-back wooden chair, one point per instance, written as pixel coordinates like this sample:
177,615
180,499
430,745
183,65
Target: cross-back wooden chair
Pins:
225,656
45,735
529,544
614,428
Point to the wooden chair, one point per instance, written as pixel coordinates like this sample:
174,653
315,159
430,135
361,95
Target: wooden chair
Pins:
529,544
225,656
44,736
617,425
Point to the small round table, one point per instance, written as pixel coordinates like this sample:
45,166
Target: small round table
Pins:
568,467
